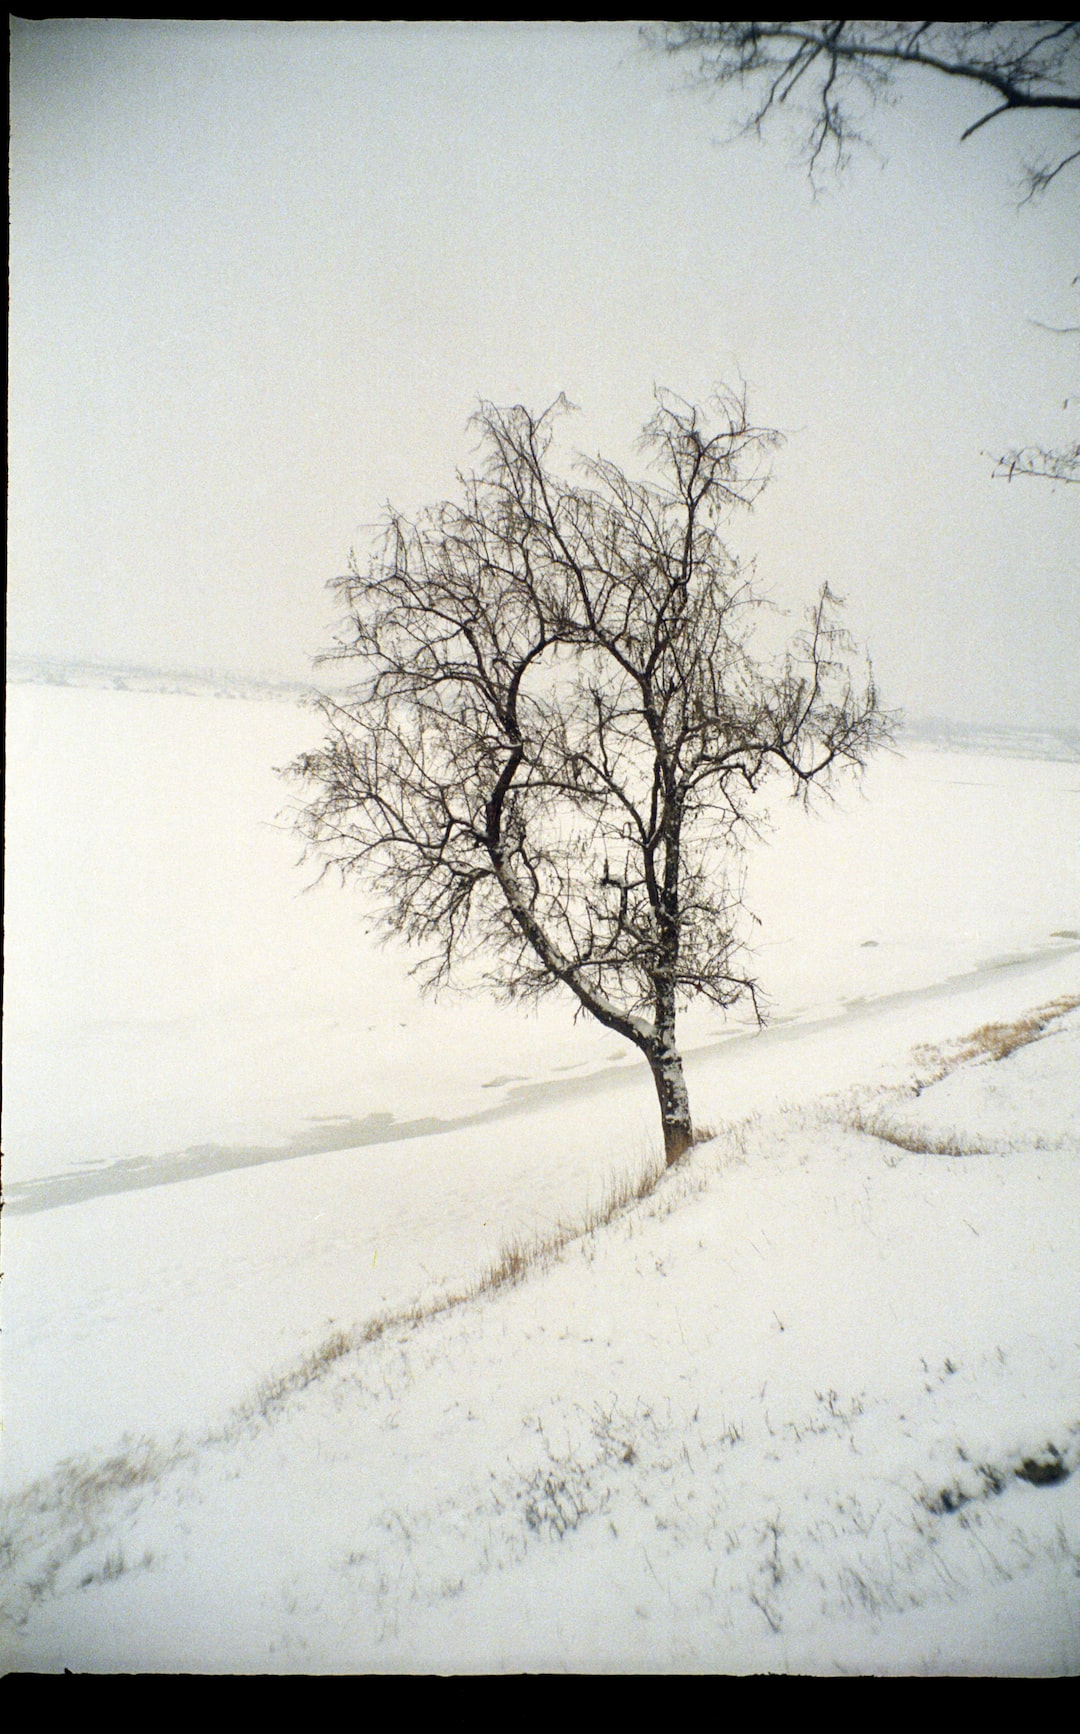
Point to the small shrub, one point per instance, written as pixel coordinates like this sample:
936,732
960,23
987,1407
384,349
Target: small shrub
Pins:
557,1500
1044,1470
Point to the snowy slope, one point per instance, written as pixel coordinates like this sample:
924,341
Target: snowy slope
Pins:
812,1404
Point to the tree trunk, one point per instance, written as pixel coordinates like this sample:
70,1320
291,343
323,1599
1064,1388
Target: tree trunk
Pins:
667,1071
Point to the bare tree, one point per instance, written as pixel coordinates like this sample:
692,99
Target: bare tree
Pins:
1045,463
830,70
553,755
1042,462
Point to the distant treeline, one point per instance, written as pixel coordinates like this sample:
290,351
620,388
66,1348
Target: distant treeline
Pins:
1000,740
122,677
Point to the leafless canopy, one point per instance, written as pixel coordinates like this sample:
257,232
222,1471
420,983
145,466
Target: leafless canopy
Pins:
829,70
552,755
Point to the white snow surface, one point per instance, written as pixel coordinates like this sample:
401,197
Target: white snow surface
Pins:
810,1405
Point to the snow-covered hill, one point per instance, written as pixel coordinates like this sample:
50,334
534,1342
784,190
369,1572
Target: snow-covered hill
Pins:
273,1400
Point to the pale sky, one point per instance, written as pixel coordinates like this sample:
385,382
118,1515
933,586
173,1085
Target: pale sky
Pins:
261,274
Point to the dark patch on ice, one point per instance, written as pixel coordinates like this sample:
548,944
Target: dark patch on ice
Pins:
136,1173
1065,933
320,1137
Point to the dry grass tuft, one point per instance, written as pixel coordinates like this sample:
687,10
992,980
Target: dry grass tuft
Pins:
522,1254
517,1257
992,1041
273,1392
913,1138
86,1484
51,1522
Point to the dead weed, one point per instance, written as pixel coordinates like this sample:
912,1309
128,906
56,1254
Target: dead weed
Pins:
991,1041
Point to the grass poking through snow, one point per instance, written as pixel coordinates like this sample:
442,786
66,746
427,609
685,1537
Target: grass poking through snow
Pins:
991,1041
73,1501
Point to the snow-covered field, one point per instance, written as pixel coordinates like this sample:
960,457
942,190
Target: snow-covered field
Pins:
811,1404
